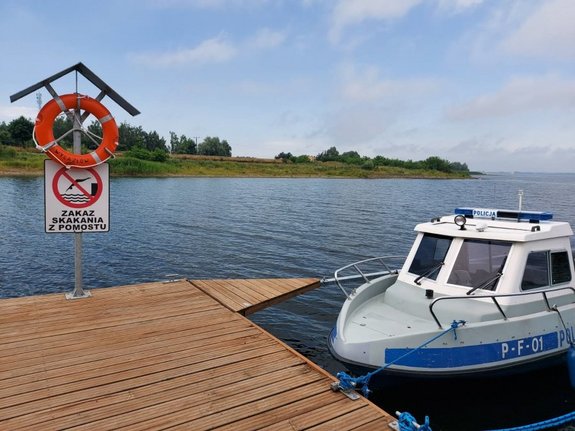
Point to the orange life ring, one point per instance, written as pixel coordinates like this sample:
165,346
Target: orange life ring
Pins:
44,131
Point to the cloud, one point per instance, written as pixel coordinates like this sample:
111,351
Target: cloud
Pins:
372,108
352,126
11,112
266,39
519,95
274,89
310,3
348,13
215,50
367,85
516,156
456,6
538,29
548,32
295,145
208,4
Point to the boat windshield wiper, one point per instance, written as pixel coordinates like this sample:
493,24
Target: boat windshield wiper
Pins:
485,283
428,272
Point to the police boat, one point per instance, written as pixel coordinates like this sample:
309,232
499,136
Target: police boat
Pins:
482,291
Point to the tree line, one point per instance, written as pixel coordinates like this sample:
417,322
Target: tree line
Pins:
354,158
18,132
137,142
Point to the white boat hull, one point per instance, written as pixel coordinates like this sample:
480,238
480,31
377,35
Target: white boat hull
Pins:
371,334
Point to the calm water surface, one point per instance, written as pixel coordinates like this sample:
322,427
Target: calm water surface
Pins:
249,228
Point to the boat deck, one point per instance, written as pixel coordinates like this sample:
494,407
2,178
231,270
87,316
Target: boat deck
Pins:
163,355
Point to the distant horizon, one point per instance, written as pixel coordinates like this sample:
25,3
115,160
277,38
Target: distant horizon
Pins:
525,172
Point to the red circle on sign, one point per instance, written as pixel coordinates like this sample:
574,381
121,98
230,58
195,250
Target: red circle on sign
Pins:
80,197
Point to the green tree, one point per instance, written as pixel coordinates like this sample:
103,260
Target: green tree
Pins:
214,147
91,135
20,131
182,144
459,167
95,130
285,157
131,137
437,164
174,142
351,157
289,157
5,137
329,155
153,141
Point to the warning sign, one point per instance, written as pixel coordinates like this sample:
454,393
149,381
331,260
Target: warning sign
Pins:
76,200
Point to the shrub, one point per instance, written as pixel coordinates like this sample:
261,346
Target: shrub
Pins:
156,155
7,152
368,165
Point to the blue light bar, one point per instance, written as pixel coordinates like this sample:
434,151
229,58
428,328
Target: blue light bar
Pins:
531,216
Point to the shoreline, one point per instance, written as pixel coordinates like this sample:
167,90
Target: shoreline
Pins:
27,164
29,174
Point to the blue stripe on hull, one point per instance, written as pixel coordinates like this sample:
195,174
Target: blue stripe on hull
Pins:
483,354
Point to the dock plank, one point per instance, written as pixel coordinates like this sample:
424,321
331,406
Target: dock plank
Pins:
162,355
248,296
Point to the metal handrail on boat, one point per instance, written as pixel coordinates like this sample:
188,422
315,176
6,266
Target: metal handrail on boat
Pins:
366,276
494,298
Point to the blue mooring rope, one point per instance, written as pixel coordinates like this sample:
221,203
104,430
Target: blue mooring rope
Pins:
549,423
407,422
346,382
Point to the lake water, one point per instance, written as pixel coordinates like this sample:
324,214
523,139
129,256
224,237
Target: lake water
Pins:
260,228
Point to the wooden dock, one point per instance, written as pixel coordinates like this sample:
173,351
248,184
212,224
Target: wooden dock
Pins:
248,296
164,356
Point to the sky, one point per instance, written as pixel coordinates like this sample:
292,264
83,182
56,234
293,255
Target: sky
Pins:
489,83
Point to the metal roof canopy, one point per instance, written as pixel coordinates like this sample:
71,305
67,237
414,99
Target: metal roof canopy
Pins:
106,90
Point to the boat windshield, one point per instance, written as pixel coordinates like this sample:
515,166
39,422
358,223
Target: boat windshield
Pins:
478,262
430,256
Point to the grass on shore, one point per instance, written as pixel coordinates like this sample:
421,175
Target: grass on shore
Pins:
15,161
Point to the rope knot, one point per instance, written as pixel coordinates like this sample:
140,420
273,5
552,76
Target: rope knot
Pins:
456,324
346,383
407,422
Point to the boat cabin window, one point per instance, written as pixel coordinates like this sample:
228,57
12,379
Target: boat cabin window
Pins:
546,268
430,255
479,263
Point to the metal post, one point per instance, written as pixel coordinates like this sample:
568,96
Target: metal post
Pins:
78,288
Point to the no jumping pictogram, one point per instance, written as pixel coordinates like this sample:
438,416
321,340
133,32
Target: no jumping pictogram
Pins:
77,188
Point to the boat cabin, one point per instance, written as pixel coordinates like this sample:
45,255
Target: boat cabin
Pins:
482,251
